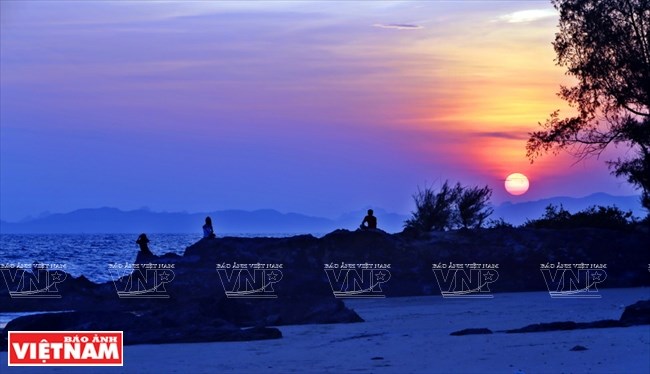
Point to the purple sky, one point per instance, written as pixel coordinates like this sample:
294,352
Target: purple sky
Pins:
312,107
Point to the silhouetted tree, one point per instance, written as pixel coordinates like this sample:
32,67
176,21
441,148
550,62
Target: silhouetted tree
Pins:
605,44
473,206
434,210
448,208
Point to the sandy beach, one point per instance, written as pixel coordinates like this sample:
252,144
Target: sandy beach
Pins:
411,335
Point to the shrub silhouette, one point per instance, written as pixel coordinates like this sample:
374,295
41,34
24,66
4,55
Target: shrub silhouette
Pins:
448,208
500,224
606,217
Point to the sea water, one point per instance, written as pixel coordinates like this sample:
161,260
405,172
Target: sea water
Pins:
86,254
82,254
90,254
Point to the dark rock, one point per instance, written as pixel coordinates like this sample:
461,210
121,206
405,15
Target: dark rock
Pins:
74,292
196,308
600,324
480,331
519,250
578,348
637,313
261,332
377,358
541,327
147,327
304,295
570,325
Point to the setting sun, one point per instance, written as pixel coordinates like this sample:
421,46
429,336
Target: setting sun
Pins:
517,184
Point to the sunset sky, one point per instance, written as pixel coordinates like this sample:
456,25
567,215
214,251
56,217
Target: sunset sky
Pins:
311,107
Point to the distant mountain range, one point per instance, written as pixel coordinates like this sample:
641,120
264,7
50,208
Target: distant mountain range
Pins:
518,213
268,221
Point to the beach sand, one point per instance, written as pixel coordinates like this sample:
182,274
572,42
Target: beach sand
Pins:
411,335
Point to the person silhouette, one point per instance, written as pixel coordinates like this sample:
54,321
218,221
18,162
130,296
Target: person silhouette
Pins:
208,231
143,242
369,221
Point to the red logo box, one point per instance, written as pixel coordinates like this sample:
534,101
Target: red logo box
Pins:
65,348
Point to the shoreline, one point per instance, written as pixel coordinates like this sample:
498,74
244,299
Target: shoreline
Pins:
411,335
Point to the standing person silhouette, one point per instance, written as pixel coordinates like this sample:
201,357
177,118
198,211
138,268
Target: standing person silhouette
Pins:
143,242
208,231
369,221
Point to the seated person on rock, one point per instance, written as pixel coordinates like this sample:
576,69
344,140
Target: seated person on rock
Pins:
208,231
143,242
369,222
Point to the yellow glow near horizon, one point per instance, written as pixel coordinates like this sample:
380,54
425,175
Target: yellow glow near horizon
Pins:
491,82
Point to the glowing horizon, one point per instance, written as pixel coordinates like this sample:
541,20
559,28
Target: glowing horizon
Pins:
310,107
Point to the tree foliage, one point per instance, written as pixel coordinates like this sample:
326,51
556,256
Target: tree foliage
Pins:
473,206
605,45
434,210
452,206
604,217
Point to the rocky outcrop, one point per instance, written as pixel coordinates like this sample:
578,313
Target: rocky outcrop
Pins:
635,314
517,252
477,331
145,327
299,290
568,325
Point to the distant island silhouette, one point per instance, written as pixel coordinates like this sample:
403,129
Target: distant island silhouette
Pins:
269,221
